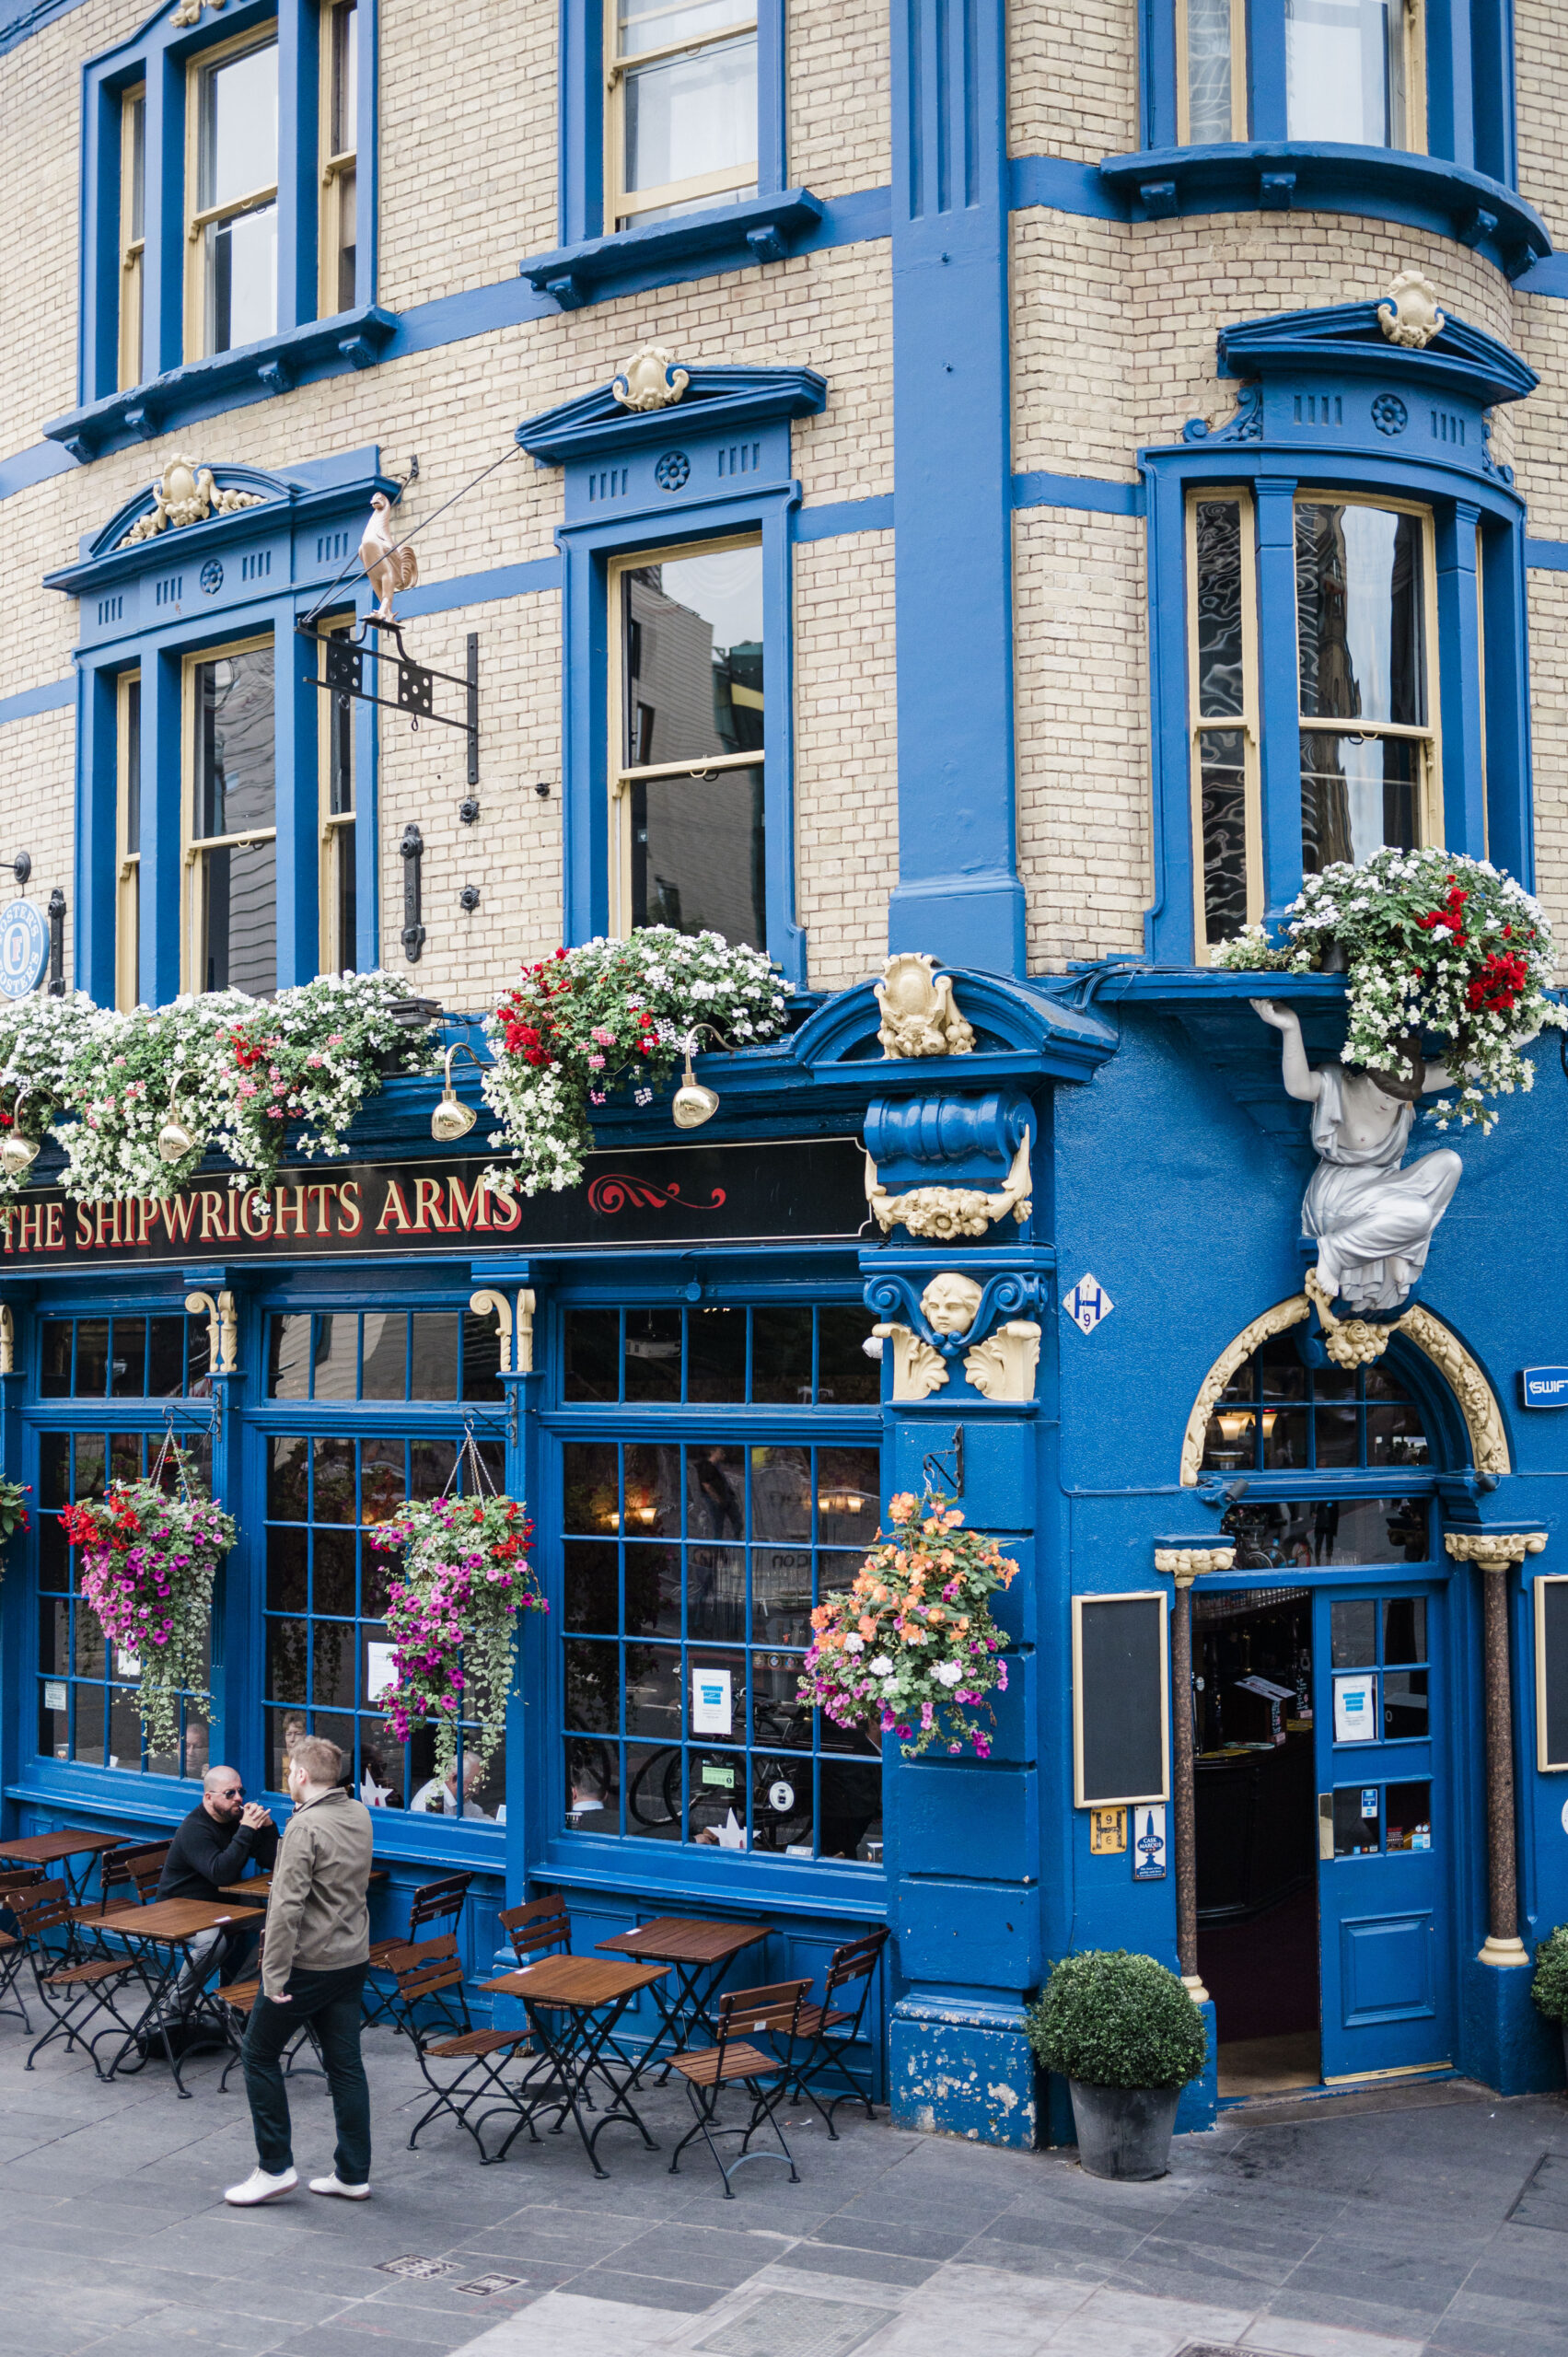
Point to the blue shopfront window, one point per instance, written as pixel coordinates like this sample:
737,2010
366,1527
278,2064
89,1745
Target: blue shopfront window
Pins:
693,1547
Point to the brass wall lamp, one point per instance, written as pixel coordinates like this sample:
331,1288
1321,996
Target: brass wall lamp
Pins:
693,1104
17,1154
452,1119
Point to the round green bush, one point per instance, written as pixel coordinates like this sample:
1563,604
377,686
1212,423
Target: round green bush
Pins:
1112,2019
1550,1986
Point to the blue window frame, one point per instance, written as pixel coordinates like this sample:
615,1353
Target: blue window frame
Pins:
693,1547
228,212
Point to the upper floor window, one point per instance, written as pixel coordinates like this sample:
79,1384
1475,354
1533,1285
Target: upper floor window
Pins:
230,929
682,106
1353,71
1370,746
687,741
133,232
232,197
128,840
338,876
338,146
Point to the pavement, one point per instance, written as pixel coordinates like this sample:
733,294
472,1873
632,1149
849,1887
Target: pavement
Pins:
1398,2224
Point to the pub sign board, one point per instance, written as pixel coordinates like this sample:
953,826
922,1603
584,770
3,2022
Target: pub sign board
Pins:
805,1191
1543,1386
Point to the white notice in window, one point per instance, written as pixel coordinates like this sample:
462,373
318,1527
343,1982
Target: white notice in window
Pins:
379,1670
713,1702
1355,1714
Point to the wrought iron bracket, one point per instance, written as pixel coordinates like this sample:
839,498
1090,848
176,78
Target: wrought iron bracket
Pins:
413,850
946,1472
57,943
344,658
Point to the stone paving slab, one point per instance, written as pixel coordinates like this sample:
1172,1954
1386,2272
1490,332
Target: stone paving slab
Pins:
1424,2223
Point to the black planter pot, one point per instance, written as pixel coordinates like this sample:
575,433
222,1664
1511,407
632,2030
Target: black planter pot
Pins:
1125,2131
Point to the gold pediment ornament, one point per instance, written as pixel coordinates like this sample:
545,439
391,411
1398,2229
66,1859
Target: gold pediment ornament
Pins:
190,11
943,1214
920,1014
1409,315
650,380
186,493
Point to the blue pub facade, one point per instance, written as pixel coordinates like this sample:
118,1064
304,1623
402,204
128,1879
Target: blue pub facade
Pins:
1282,1643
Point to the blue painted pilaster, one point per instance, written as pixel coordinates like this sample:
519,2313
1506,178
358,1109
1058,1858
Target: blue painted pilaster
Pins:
1459,632
958,893
298,185
1450,82
1510,818
298,755
163,874
97,787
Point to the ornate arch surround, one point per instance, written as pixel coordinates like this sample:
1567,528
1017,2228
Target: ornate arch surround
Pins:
1462,1371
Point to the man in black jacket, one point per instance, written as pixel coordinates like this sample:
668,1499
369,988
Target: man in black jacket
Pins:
213,1848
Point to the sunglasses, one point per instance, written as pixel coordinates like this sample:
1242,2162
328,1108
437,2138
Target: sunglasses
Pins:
231,1793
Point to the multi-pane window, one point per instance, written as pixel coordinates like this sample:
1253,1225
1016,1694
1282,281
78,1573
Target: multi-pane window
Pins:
232,197
86,1687
338,141
1277,1414
1223,686
230,930
1368,746
123,1358
681,129
1354,70
687,738
128,840
1211,89
691,1571
338,893
133,232
1365,625
327,1650
383,1354
776,1356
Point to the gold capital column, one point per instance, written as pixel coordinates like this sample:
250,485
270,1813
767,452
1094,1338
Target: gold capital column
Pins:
1185,1564
1492,1552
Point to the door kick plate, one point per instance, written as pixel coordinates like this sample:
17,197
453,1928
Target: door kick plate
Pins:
1326,1825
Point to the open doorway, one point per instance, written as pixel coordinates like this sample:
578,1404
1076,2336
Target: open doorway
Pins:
1256,1835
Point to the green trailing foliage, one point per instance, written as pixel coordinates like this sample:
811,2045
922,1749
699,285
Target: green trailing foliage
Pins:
1550,1986
1110,2018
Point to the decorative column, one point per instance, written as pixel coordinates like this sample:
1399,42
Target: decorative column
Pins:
1185,1564
1492,1552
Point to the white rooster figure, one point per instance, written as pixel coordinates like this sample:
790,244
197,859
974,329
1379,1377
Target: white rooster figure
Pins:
391,568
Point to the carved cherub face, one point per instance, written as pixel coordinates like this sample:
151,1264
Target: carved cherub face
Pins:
949,1303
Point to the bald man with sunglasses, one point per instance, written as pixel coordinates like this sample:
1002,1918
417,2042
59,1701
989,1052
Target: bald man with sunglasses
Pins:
222,1836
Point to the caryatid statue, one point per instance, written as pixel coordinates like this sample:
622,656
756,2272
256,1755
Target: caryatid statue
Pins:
1374,1220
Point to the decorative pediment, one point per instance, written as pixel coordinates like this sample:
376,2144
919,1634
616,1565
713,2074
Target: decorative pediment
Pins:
713,400
1352,340
1005,1017
188,492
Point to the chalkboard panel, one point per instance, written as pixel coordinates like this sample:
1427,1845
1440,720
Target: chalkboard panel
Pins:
1551,1672
1120,1707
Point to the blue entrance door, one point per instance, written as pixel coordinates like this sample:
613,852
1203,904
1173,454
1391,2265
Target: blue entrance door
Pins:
1384,1830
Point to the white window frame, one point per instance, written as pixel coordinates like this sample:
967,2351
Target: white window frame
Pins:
335,165
132,240
622,206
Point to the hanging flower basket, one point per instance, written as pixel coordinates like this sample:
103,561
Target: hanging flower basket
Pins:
610,1014
149,1556
1433,944
913,1644
452,1617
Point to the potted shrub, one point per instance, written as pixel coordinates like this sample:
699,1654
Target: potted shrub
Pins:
1549,1985
1127,2038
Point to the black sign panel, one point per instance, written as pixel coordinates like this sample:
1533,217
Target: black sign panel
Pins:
1119,1699
800,1190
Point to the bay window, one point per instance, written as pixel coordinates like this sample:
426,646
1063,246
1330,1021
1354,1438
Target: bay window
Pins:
687,737
1212,94
128,841
230,924
133,232
339,143
682,88
1352,73
338,893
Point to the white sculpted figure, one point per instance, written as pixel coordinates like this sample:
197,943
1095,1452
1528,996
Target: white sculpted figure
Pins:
1373,1221
389,568
949,1303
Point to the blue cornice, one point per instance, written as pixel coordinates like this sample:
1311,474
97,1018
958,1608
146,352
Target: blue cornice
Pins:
716,399
203,388
730,236
1347,339
1378,183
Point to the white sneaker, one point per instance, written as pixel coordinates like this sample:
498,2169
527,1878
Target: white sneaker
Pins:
331,2185
260,2187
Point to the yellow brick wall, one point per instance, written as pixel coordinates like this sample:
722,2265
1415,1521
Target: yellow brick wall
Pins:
846,753
1081,690
1072,79
1548,601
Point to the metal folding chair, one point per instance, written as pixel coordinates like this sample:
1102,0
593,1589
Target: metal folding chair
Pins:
128,1876
430,1968
14,1947
434,1905
537,1927
830,2029
76,1988
743,2013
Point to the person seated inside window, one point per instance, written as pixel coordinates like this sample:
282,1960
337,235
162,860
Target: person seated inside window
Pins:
440,1794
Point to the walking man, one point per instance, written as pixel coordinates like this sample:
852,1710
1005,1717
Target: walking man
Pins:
313,1959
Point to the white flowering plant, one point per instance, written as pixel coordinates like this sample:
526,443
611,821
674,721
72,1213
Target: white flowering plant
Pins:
912,1641
588,1021
1433,942
240,1073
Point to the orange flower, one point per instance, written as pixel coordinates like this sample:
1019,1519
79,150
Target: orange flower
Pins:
867,1624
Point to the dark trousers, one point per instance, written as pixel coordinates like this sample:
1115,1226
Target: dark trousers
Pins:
330,2001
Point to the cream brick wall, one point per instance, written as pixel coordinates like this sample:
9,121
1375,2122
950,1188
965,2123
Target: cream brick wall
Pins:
1082,733
1548,600
1071,78
840,134
40,747
1541,145
845,753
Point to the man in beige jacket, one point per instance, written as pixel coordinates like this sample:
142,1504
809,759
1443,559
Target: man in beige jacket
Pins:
313,1960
